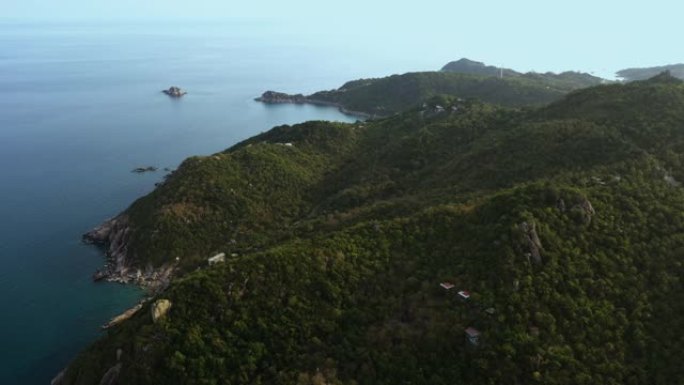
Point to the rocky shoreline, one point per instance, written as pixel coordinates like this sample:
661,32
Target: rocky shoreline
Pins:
273,97
113,235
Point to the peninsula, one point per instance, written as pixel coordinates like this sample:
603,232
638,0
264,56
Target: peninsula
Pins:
465,79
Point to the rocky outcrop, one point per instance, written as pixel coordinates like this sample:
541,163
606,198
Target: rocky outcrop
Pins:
273,97
531,244
160,308
59,378
560,205
670,180
140,170
175,92
583,211
123,316
114,236
111,377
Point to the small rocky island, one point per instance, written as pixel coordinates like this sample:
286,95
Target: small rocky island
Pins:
175,92
140,170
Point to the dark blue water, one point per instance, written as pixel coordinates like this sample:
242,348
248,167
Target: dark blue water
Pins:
79,108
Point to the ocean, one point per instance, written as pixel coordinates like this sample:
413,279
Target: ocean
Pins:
80,107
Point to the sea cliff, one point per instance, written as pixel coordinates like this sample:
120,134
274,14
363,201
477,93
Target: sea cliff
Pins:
113,235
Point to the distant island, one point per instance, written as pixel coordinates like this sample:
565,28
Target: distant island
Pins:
463,78
633,74
175,92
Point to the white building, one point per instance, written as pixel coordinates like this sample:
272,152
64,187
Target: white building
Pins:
218,258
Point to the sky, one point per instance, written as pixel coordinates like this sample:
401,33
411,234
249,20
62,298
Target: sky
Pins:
592,36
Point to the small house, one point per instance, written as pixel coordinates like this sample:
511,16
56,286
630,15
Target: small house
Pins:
464,294
472,336
447,285
218,258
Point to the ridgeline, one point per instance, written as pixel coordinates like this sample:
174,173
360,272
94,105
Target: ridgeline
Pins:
465,79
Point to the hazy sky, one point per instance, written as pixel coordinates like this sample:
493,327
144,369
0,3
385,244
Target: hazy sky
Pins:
599,36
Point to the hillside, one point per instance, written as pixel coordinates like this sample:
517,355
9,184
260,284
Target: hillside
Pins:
389,95
569,80
632,74
563,222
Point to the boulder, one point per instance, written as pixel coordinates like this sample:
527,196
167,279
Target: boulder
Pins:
160,308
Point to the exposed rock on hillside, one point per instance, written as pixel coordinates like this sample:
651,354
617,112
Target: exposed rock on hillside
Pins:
531,243
112,234
111,376
123,316
160,308
583,211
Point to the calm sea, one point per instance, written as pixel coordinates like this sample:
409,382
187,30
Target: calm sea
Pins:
80,106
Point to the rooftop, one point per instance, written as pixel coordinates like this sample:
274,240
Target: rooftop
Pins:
447,285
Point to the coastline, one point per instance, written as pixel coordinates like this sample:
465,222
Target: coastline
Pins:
113,236
341,108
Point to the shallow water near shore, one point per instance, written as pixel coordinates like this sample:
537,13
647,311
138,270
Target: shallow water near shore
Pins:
80,107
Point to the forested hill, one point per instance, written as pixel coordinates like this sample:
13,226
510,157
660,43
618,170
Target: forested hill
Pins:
386,96
569,80
565,224
467,66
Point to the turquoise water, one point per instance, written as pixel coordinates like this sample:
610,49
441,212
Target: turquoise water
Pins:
80,106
